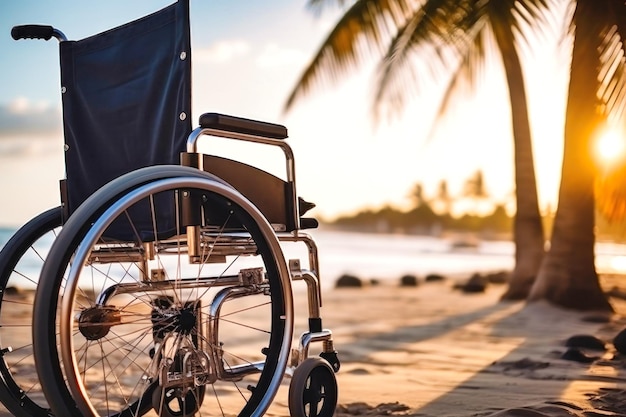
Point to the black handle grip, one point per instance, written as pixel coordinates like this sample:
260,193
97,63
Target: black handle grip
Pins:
32,32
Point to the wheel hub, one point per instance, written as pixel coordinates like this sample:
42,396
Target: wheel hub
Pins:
186,321
95,322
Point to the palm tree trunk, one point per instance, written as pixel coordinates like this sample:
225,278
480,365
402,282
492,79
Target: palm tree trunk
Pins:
567,276
527,228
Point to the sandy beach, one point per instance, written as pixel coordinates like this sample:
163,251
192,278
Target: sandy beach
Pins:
433,350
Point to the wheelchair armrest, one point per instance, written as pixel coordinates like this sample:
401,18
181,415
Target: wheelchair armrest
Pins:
240,125
238,128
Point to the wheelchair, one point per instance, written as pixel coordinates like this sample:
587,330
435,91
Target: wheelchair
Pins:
161,282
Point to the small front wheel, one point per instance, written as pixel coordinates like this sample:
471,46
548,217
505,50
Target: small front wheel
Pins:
313,389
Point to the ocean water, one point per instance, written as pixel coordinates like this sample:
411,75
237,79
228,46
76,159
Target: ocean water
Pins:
5,234
389,256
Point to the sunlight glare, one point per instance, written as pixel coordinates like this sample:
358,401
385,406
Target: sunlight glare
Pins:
618,263
609,146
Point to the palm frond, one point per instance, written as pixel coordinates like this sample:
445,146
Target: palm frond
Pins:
612,90
540,17
445,40
428,47
612,71
465,78
363,31
424,40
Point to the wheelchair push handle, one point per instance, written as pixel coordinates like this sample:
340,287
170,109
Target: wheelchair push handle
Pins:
44,32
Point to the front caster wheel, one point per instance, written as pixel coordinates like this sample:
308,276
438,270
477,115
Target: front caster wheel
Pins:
173,402
313,389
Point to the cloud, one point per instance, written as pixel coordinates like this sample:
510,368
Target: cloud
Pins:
22,117
270,56
274,56
222,51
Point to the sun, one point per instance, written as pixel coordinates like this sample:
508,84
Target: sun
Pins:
609,146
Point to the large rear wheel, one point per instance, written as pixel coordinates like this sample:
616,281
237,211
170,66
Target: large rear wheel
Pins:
157,320
21,260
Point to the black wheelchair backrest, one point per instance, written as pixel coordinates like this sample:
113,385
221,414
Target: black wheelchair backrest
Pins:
126,97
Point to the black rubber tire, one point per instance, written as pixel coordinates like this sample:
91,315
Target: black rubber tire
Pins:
313,389
67,401
21,260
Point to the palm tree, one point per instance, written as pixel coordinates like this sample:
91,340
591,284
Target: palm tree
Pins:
528,231
417,195
450,34
443,197
475,189
597,91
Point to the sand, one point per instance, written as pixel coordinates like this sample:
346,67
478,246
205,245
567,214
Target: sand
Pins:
432,350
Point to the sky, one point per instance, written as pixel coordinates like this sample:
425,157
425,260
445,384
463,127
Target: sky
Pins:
246,58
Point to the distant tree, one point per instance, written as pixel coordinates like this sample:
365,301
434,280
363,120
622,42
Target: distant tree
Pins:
475,186
417,195
498,221
443,197
474,189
